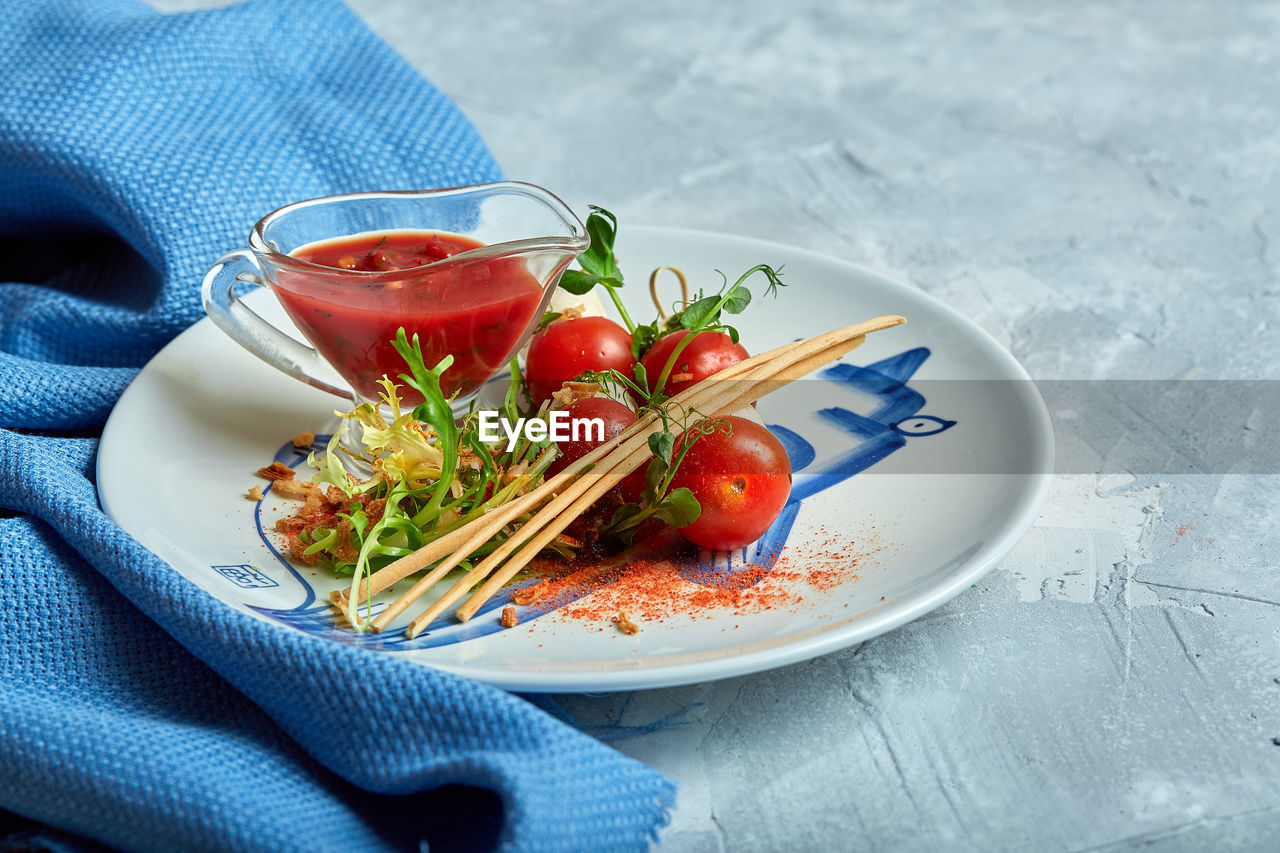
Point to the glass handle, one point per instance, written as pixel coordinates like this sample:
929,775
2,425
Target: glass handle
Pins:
247,328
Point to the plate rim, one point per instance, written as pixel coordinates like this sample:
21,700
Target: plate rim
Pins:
775,652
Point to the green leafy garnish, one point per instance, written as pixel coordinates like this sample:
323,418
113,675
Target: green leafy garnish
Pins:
598,259
434,410
643,337
678,508
661,445
599,264
703,314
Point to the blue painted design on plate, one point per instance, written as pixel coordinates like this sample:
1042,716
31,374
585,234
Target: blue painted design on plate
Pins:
874,436
246,576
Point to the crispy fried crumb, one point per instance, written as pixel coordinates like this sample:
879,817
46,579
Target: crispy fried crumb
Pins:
298,489
571,392
298,551
530,594
573,312
255,493
345,550
468,459
314,500
625,625
290,524
338,601
304,439
509,618
515,472
276,471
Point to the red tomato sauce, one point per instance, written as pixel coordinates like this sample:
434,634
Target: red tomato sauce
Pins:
475,310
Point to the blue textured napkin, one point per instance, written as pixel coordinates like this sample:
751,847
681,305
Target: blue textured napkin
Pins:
135,148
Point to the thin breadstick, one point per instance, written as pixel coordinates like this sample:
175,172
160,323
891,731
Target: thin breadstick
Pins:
587,490
616,475
717,396
629,456
470,537
449,543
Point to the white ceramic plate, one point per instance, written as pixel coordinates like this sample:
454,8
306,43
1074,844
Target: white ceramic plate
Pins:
908,495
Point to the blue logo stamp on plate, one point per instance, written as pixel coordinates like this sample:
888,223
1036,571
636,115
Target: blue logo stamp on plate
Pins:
245,576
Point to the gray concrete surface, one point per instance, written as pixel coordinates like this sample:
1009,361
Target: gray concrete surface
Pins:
1096,184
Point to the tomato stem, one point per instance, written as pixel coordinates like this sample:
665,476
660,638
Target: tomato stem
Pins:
672,360
622,311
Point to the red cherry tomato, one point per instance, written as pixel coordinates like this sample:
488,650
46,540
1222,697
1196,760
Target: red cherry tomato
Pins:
616,417
741,476
704,355
567,348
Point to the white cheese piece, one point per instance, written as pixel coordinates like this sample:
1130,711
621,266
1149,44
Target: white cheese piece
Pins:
588,304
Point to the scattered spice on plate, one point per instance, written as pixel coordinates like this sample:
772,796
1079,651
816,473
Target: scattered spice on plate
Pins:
663,578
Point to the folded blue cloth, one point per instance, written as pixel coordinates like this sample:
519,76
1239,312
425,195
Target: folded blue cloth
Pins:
135,148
